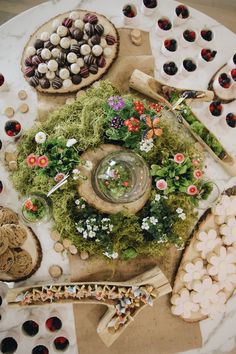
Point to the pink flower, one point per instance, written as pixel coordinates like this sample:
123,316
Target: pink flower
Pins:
179,158
161,184
59,177
197,174
31,160
192,190
42,161
195,162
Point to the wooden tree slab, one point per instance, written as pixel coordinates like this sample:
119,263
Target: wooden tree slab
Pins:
157,91
25,296
87,192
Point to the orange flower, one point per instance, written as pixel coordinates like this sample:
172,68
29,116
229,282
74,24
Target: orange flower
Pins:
31,160
42,161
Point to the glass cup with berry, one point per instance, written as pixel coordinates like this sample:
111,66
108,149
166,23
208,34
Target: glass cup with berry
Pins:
188,38
206,37
232,62
169,70
206,55
169,46
61,342
232,75
231,120
13,128
35,209
223,86
148,7
215,109
163,26
129,14
188,66
181,15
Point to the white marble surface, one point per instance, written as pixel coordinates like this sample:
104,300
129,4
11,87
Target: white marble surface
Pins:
218,335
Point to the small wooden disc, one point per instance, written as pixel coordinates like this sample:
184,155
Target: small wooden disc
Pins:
70,100
58,247
66,243
10,156
73,249
55,271
84,255
9,112
13,165
136,34
55,236
24,108
22,95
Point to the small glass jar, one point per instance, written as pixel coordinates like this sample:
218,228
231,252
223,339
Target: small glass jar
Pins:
35,209
121,177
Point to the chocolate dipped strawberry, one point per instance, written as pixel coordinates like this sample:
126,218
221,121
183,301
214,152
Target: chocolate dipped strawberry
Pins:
207,35
216,108
182,11
170,44
189,35
164,24
208,54
170,68
224,81
231,120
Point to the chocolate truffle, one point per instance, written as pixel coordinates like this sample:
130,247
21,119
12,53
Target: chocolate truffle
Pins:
34,81
76,79
96,39
36,60
78,34
84,71
57,83
89,59
101,62
93,69
75,48
38,44
45,83
28,61
29,71
67,22
48,45
89,29
92,18
110,39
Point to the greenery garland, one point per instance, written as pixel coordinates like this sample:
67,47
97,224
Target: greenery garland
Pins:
53,148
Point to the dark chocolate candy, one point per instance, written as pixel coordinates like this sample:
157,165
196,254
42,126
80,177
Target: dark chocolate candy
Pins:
76,79
61,59
57,83
84,71
45,83
110,39
39,51
38,44
89,59
95,39
92,18
38,74
80,43
67,22
78,34
75,48
93,69
48,45
101,62
86,17
34,81
99,29
28,61
29,71
36,60
89,29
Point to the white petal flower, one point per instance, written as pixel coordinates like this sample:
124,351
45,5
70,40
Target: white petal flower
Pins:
206,242
92,234
40,138
193,271
183,304
77,202
225,207
113,255
153,220
215,308
76,171
228,284
182,216
80,229
221,263
157,197
71,142
146,145
228,230
179,210
205,291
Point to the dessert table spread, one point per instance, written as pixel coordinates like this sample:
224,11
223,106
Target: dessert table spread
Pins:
218,335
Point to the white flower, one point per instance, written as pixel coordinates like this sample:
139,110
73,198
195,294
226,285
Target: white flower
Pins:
193,271
92,234
75,177
85,234
221,263
110,227
89,227
113,255
206,242
76,171
71,142
157,197
40,137
218,307
77,202
88,165
228,283
182,216
95,228
146,145
80,229
179,210
183,304
224,208
145,226
153,220
228,230
104,227
205,291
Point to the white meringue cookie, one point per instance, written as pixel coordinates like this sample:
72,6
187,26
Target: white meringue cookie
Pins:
42,68
50,75
55,52
72,58
54,39
107,52
64,74
67,83
97,50
79,24
74,15
55,24
75,68
73,41
30,51
52,65
62,31
85,49
45,36
103,43
65,42
46,54
80,62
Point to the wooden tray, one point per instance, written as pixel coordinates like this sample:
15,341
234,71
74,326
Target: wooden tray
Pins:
86,81
156,90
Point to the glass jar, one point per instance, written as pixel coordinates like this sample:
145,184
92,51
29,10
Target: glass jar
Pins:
121,177
35,209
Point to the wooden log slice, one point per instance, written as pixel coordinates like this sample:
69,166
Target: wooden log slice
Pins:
87,192
47,27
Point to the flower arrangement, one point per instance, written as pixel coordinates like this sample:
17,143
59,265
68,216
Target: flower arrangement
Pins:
101,115
34,208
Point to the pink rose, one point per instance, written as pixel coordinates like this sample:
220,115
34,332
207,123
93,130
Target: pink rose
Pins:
197,174
192,190
161,184
179,158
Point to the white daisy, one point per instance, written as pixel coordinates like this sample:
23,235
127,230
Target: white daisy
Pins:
71,142
40,138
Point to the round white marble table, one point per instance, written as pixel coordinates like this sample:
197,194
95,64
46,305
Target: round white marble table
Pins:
218,335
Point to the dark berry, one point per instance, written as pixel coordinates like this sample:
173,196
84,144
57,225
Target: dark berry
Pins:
40,349
164,24
231,120
207,35
61,343
30,327
234,58
216,108
224,81
182,11
189,65
170,68
8,345
233,74
189,36
53,324
151,4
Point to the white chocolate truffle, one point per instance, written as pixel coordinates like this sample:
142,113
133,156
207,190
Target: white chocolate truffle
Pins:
86,37
103,43
46,54
80,62
73,41
50,75
97,50
64,74
90,43
44,36
79,24
85,49
67,83
65,43
42,68
30,51
62,31
55,24
72,58
74,15
106,30
55,52
54,39
52,65
107,52
74,68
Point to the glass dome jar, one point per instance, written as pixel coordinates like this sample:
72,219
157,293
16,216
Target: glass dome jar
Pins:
35,208
121,177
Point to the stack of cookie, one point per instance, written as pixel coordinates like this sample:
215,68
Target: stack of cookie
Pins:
15,261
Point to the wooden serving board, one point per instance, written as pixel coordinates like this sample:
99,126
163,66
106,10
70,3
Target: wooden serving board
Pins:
47,27
33,247
150,87
205,223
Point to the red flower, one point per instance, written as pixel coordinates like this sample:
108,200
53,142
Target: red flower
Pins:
192,190
132,124
28,204
161,184
139,107
156,107
31,160
126,183
42,161
197,174
179,158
